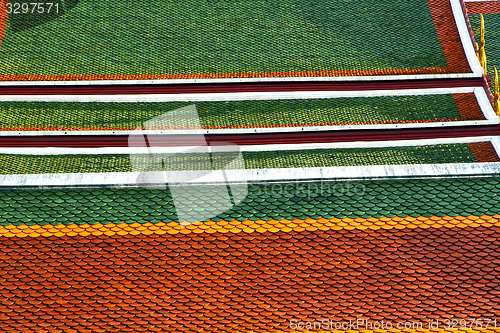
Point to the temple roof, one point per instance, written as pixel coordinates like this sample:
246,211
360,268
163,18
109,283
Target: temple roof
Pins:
115,40
161,172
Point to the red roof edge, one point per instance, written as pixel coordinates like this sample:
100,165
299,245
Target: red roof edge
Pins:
94,141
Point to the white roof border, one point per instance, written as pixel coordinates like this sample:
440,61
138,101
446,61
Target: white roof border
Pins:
256,175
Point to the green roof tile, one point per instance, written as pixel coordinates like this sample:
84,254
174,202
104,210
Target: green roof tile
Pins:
429,154
379,198
241,114
188,39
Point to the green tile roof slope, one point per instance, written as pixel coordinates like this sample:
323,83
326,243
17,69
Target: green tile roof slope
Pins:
442,153
240,114
429,154
182,38
425,197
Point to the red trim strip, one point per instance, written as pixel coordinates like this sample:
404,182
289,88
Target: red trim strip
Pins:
92,141
237,87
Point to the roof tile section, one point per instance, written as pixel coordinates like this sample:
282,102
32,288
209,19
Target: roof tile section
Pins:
482,152
105,260
482,7
248,226
81,40
268,201
246,282
276,113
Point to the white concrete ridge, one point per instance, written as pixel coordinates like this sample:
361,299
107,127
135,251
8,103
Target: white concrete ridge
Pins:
234,96
272,174
495,142
246,175
485,105
467,43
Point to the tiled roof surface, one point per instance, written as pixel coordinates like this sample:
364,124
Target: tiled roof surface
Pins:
413,250
429,154
243,114
247,282
442,153
119,259
204,39
483,7
376,199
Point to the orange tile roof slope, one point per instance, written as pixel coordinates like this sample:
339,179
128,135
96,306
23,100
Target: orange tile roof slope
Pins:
390,259
239,282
